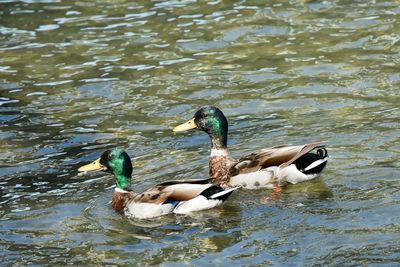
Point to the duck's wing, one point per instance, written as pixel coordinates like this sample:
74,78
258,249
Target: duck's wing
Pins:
183,191
175,190
198,181
153,196
281,155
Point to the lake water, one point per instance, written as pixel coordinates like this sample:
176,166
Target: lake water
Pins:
79,77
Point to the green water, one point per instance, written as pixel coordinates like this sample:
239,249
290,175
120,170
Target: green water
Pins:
78,77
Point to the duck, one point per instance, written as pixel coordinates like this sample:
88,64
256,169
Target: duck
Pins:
271,167
178,197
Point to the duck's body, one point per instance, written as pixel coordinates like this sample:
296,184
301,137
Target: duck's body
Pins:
265,168
169,197
268,167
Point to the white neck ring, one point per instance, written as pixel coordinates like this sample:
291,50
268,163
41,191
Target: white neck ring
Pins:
218,152
119,190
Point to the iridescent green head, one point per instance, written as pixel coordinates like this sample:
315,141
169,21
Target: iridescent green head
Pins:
211,120
115,161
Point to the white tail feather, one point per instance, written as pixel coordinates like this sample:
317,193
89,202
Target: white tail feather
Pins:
316,163
216,195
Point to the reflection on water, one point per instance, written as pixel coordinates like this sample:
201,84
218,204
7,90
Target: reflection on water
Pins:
79,77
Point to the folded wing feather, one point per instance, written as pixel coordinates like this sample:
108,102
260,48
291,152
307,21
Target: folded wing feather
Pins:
180,191
282,155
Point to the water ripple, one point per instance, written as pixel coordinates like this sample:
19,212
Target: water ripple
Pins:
76,79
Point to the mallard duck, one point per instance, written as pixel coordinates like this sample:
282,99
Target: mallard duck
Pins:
169,197
268,167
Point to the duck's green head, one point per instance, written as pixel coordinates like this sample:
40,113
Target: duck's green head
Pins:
115,161
211,120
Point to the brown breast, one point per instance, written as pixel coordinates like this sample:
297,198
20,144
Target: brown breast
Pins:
219,170
120,200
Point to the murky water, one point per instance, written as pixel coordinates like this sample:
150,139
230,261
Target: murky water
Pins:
77,77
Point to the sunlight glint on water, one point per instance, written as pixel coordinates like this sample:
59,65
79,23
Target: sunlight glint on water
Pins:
78,77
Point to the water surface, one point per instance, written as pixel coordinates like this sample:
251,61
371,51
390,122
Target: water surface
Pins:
79,77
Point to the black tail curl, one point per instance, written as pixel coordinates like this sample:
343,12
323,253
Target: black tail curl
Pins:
304,161
322,152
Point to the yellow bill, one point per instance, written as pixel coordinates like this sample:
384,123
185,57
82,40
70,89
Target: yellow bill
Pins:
94,166
185,126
